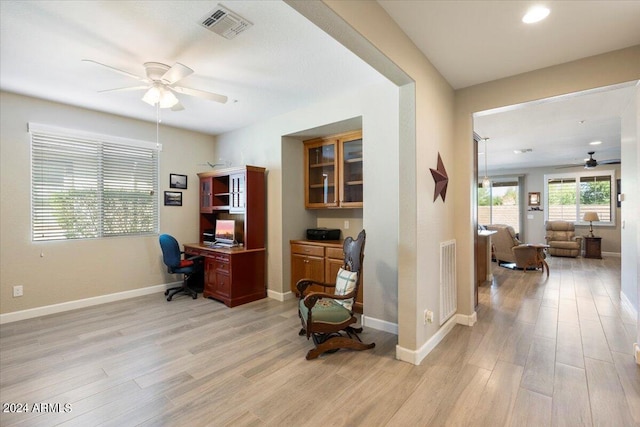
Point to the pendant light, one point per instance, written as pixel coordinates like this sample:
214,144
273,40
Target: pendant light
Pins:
486,183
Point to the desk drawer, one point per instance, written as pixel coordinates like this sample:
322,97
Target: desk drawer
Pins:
336,253
307,250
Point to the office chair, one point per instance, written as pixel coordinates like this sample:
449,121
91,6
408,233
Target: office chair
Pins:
171,255
327,318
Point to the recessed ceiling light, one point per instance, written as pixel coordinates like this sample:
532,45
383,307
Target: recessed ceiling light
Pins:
595,143
523,150
535,14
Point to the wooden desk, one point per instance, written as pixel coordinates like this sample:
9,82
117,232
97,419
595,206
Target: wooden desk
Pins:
232,275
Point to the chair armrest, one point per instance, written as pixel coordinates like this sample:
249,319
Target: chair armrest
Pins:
303,284
579,239
192,258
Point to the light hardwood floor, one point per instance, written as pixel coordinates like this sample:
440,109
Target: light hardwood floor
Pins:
544,352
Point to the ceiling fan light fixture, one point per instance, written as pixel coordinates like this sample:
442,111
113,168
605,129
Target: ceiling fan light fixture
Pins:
167,99
535,14
160,95
152,96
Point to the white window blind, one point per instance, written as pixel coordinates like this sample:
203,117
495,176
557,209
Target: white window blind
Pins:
88,186
570,195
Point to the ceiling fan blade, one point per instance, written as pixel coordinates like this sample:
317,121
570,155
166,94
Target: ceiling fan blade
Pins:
200,93
176,73
122,89
570,166
609,162
117,70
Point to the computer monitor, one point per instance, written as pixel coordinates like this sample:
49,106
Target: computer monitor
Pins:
225,231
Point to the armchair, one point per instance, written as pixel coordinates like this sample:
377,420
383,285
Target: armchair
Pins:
171,256
327,318
503,242
562,240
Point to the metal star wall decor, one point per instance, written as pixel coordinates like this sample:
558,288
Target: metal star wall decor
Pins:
441,179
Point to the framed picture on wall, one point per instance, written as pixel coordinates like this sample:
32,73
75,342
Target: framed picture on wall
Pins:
534,199
173,198
178,181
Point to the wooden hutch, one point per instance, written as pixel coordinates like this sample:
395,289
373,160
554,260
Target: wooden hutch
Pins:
233,275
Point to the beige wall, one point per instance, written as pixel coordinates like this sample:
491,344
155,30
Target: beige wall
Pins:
426,130
598,71
270,144
64,271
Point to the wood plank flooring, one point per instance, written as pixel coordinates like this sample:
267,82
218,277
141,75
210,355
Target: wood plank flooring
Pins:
554,351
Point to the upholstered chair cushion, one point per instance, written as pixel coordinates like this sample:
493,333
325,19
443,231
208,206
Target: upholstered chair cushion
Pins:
345,283
326,310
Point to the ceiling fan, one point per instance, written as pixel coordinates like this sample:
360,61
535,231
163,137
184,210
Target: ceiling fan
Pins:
591,163
160,84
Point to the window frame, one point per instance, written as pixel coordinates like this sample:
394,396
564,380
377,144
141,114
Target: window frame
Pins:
104,144
611,173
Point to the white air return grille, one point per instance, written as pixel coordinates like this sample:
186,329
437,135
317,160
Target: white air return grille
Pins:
225,23
448,288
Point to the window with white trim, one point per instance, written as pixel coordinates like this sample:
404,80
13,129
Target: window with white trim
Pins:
569,196
85,185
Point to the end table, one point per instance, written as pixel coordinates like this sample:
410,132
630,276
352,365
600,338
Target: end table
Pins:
592,247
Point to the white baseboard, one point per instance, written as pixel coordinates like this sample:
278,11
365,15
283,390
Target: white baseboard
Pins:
611,254
280,296
380,325
627,306
81,303
416,356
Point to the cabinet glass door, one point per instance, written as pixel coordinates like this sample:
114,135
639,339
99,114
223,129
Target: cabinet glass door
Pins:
321,175
205,195
351,172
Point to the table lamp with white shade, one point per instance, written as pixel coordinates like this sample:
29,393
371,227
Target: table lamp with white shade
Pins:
591,216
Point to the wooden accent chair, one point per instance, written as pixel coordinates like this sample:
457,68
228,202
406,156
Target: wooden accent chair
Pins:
327,318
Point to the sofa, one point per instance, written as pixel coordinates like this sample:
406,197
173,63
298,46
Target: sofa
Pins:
562,240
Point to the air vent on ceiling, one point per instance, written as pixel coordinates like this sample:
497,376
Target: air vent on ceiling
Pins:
225,23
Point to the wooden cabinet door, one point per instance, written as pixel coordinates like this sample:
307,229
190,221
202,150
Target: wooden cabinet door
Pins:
206,195
321,174
331,269
209,277
350,171
237,193
307,267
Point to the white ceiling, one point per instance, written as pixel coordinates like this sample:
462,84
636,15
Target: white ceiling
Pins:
284,62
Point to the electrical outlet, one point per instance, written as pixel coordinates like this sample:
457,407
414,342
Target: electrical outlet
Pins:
346,225
17,291
428,316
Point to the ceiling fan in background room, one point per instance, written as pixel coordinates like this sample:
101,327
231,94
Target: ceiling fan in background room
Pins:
591,163
160,84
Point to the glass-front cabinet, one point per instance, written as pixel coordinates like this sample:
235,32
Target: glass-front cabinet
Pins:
351,176
333,171
321,174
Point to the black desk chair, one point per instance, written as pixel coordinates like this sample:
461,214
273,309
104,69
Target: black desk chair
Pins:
172,257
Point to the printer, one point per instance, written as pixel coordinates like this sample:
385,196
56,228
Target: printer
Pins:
323,233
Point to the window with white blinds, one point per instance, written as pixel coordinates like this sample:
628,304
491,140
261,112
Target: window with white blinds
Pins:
569,196
87,186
